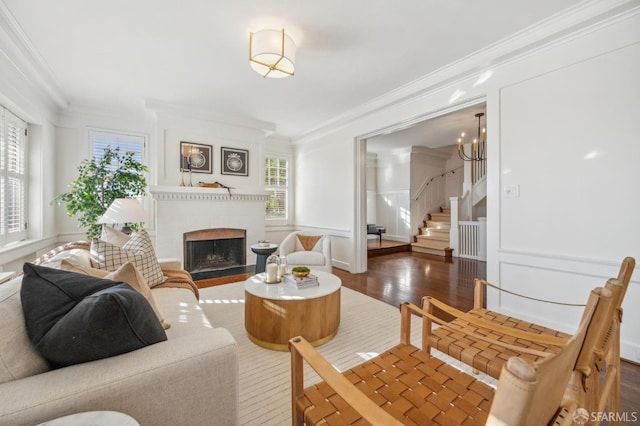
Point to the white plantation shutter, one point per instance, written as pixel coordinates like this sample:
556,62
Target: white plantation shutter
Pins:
276,181
13,214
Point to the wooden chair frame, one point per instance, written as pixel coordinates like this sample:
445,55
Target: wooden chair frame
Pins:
589,389
526,394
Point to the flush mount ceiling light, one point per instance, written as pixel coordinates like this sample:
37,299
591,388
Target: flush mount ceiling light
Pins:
477,146
272,53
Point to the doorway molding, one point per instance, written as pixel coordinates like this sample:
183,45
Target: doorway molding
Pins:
360,174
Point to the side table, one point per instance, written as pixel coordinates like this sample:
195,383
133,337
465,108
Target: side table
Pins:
274,313
263,252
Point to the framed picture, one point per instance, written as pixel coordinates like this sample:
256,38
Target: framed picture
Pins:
234,161
196,157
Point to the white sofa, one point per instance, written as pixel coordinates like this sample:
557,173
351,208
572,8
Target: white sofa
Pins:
190,379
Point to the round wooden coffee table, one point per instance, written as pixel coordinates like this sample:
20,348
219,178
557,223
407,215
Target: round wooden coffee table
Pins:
274,313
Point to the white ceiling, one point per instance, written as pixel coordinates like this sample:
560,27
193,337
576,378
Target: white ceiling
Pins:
194,53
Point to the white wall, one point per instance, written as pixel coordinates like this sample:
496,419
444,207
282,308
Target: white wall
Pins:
173,127
372,187
577,181
426,164
324,191
72,147
453,183
393,181
546,110
19,95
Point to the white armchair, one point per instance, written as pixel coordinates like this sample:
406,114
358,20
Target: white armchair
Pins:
316,257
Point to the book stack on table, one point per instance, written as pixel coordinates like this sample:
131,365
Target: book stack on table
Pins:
301,282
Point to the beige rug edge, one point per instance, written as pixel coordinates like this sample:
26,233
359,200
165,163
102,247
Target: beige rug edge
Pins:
367,327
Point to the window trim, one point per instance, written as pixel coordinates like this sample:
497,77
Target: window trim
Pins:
93,130
288,189
144,200
22,176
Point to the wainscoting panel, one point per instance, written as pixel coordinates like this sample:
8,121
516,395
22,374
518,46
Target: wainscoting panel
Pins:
562,279
393,213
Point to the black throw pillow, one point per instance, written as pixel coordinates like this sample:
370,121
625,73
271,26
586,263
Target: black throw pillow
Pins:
73,318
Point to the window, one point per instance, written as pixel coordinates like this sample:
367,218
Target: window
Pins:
13,210
100,140
276,181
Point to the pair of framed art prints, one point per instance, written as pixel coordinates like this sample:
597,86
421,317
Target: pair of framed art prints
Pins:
198,158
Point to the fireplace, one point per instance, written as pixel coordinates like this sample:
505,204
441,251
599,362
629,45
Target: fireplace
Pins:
216,252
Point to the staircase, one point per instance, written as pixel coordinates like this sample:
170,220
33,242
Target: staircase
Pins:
434,235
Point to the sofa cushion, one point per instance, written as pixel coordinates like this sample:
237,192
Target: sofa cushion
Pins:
305,258
18,357
73,318
139,250
127,273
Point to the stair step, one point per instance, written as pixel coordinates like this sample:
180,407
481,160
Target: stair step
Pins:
446,210
437,225
440,217
430,242
437,234
438,252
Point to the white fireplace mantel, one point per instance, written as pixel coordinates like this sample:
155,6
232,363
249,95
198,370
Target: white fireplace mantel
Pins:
195,193
181,209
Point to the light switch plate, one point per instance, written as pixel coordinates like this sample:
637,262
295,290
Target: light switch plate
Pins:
511,191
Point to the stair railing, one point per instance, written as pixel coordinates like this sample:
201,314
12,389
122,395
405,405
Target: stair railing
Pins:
478,170
430,196
433,179
472,239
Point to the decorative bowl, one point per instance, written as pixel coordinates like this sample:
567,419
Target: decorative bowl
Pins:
264,243
300,271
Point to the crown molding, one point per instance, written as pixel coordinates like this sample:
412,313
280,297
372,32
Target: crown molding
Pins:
575,21
26,59
160,107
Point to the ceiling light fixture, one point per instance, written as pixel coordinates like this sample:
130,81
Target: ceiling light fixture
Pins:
477,146
272,53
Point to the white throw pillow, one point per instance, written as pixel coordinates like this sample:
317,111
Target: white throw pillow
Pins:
77,256
113,236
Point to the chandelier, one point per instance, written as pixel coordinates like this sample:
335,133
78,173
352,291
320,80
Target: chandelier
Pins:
272,53
477,146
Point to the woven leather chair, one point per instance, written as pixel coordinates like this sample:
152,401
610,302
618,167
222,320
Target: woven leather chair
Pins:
406,385
488,358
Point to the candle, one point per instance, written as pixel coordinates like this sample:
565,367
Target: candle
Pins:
283,269
272,272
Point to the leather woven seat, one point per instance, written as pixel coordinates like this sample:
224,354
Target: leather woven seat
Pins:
455,341
406,385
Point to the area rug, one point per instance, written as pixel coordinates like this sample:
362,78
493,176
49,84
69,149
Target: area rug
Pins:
367,327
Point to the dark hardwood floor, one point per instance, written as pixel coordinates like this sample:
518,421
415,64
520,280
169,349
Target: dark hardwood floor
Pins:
407,276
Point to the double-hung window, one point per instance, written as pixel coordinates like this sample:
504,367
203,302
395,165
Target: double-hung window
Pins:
277,181
13,178
102,139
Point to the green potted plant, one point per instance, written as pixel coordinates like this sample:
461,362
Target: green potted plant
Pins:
100,181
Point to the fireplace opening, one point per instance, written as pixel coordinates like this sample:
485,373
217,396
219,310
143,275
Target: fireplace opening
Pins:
216,252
